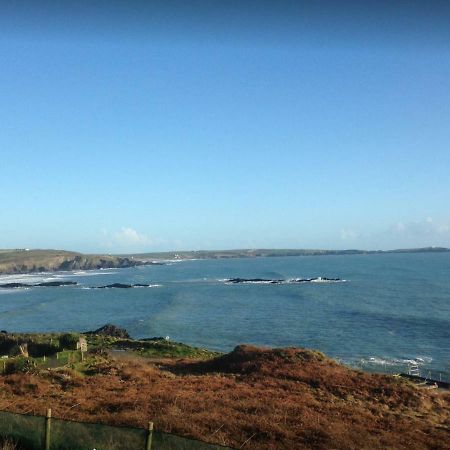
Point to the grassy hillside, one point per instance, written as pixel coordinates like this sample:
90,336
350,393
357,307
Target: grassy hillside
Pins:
252,253
266,399
28,261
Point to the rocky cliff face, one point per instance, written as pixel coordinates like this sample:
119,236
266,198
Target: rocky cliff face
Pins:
16,262
97,262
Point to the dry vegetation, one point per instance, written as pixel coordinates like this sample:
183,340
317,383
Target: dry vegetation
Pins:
267,399
8,444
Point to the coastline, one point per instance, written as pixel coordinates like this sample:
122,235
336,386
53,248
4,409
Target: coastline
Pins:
16,262
25,261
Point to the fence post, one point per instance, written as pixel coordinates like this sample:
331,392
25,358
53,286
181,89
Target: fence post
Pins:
148,443
48,422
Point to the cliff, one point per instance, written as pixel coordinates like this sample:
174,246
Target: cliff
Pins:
29,261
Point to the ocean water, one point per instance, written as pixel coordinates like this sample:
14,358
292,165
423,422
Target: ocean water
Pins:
392,310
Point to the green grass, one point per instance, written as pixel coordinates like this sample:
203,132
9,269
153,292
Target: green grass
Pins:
149,348
167,349
58,357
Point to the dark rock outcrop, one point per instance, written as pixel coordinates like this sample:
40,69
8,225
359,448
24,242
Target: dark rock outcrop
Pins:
253,280
56,283
115,286
111,330
290,281
120,286
44,284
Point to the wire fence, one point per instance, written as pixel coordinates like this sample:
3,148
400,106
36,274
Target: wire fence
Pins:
46,433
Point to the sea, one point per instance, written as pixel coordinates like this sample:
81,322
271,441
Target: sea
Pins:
388,313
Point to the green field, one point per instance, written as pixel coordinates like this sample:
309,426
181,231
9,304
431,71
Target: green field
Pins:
254,253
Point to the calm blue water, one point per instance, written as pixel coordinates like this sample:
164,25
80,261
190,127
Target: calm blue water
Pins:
393,308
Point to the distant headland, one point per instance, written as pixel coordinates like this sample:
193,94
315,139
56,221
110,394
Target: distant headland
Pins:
256,253
31,261
22,261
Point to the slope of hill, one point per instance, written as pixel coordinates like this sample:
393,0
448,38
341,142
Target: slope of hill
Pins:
28,261
255,398
253,253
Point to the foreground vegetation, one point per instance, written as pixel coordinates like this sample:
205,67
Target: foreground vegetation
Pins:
265,398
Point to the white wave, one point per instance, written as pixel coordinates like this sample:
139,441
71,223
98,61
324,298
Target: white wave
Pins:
424,359
278,281
23,278
386,361
89,273
13,290
149,286
322,280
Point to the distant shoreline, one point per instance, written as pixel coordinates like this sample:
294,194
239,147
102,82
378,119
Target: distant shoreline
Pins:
25,261
255,253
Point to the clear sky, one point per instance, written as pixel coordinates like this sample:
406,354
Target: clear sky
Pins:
126,127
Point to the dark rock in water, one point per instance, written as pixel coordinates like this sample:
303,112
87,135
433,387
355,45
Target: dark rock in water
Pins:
253,280
43,284
111,330
291,281
300,280
116,286
14,285
121,286
56,283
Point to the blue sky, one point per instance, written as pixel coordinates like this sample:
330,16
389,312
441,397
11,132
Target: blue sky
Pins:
129,128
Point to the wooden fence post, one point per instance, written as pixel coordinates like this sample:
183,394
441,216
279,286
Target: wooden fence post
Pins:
148,443
48,422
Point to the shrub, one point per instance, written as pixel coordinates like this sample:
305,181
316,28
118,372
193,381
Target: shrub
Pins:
21,365
68,341
40,349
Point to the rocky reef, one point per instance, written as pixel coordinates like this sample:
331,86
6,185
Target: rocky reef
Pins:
282,281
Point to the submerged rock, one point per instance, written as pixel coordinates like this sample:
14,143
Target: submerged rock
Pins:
116,286
14,285
121,286
278,281
253,280
43,284
56,283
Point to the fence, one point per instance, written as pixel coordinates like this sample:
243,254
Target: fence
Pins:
41,433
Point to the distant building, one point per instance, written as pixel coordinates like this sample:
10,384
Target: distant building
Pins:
82,344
